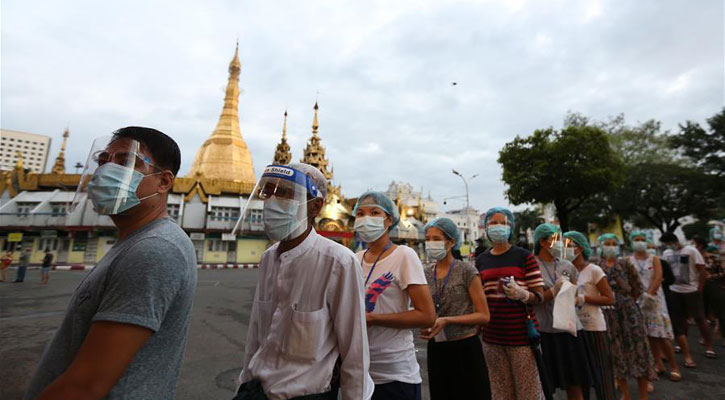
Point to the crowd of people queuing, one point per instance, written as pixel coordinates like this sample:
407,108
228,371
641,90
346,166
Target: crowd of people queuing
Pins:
326,322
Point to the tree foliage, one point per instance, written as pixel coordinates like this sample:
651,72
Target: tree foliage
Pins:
566,168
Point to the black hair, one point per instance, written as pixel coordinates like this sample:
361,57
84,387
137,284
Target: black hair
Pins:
163,149
668,237
699,241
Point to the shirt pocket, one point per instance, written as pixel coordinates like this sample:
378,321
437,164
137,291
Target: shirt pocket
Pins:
305,334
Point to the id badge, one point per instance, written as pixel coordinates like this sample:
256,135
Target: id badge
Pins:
441,336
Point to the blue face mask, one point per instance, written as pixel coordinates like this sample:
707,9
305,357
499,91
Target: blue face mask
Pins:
498,233
112,189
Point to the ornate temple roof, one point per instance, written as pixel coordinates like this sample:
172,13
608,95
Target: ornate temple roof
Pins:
224,155
314,153
282,155
59,166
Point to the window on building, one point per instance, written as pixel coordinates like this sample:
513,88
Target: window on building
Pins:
224,214
255,216
216,245
173,210
26,208
48,244
58,209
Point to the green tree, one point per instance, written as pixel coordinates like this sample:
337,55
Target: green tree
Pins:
705,149
566,168
528,218
659,194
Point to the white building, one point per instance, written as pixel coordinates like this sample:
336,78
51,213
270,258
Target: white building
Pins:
34,149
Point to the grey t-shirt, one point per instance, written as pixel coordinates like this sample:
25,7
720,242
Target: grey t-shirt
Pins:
147,279
454,298
550,272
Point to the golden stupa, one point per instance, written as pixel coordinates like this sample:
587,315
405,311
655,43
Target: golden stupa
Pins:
282,155
224,155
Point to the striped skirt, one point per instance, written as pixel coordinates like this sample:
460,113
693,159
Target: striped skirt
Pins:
600,364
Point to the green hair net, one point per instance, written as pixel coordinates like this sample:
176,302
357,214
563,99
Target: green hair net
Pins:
448,227
712,232
544,231
608,236
373,199
580,241
634,234
501,210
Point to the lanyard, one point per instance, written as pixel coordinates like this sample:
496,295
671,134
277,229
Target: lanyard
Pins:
376,260
437,296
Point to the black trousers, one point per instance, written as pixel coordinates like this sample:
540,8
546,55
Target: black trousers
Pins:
252,390
457,370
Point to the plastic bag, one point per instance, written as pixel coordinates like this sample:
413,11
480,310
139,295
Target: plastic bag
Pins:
647,302
564,313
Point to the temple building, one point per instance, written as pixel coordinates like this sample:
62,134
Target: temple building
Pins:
34,206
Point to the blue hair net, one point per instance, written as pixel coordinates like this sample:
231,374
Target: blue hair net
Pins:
634,234
544,231
580,241
608,236
448,227
372,199
501,210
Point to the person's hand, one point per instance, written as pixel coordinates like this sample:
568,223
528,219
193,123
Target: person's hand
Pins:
580,300
557,285
430,333
515,292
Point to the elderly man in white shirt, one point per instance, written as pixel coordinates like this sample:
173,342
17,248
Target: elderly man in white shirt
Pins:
308,317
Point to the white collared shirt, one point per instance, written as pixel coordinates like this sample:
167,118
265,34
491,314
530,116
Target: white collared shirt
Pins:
308,310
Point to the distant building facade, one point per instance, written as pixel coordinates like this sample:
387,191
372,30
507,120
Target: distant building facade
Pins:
32,147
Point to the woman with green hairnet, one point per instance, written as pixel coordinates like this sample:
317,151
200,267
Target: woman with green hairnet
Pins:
456,366
593,294
512,284
630,348
653,305
394,280
565,355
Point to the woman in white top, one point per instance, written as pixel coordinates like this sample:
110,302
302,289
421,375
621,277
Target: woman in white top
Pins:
394,280
594,292
652,303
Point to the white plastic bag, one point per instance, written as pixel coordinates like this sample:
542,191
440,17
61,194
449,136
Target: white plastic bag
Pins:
564,313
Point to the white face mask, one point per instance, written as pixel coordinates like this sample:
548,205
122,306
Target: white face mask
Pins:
370,229
436,249
281,220
610,251
556,249
639,246
570,254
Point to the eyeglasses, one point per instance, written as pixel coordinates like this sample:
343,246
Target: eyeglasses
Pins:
123,158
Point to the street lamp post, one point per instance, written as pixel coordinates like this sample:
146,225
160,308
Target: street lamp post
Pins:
468,203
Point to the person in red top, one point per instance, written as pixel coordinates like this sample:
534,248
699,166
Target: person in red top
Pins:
512,282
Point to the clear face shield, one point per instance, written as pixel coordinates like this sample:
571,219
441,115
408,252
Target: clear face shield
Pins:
555,245
278,204
112,174
498,228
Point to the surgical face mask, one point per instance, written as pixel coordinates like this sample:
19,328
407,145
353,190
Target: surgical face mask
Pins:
555,249
652,252
610,251
498,233
281,219
370,229
112,189
639,246
436,249
717,235
570,254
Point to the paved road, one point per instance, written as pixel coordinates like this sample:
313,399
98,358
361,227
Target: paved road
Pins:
29,313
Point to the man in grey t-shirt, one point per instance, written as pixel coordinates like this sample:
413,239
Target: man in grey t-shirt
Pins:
125,329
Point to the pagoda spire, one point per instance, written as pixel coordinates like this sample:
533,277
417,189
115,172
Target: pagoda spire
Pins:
314,153
225,155
282,155
59,166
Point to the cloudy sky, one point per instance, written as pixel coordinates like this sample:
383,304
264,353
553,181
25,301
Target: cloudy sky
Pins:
383,70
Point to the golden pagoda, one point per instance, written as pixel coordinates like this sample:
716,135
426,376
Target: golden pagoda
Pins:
224,155
282,155
59,166
314,153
